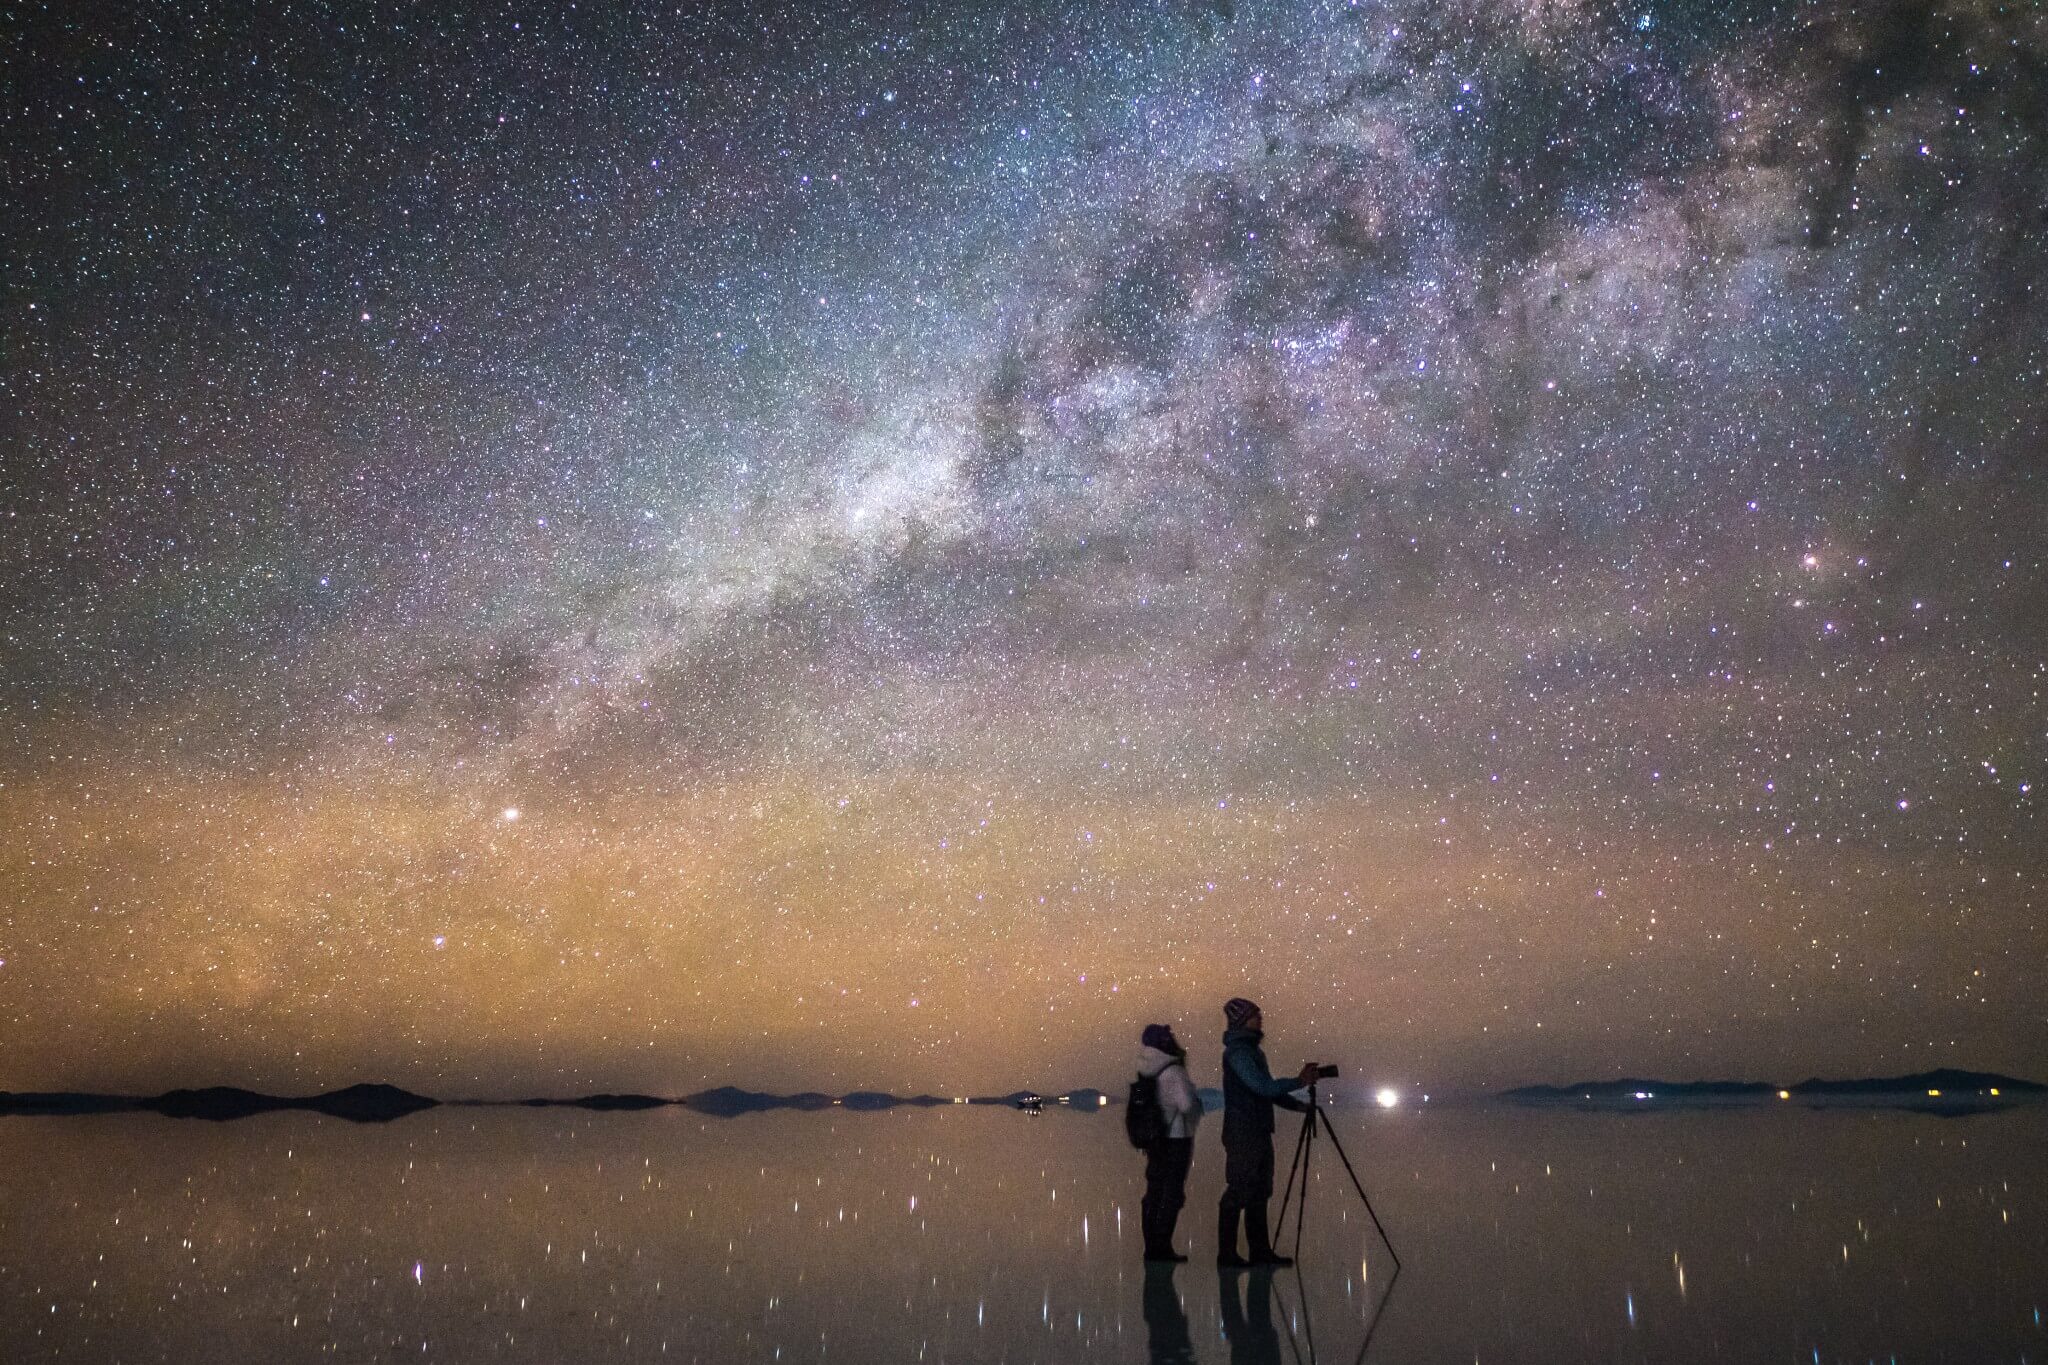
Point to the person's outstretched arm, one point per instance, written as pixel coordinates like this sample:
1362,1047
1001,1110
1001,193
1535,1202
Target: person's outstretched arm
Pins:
1251,1070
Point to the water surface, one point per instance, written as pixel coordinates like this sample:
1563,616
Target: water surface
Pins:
987,1235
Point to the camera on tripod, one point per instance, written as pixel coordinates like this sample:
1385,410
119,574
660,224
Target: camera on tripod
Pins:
1312,1119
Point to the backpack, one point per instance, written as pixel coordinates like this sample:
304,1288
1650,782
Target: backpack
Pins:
1144,1120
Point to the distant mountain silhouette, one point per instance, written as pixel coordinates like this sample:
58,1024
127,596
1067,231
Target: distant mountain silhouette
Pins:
382,1103
357,1103
728,1100
370,1103
1947,1090
610,1101
1947,1080
875,1099
1628,1088
1016,1099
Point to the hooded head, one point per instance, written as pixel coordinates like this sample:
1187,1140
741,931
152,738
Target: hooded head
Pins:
1160,1036
1240,1013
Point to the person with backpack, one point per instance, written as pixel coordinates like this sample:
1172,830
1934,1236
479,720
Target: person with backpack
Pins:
1160,1119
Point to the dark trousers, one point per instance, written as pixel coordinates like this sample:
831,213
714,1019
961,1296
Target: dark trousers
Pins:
1166,1189
1247,1186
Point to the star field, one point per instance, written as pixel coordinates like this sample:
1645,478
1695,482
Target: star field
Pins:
888,545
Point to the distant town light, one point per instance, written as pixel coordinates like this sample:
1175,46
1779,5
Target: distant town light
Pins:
1994,1090
1784,1094
1101,1101
1934,1094
1642,1094
1387,1096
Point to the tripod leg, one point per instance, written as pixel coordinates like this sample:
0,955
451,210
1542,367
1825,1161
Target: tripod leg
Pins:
1298,1163
1308,1142
1363,1196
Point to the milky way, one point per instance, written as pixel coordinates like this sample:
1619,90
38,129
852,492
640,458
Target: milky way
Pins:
608,545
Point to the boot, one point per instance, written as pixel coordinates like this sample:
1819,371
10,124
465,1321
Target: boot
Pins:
1226,1239
1261,1240
1159,1240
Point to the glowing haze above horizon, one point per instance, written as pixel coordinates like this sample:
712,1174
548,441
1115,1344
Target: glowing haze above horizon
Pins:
610,546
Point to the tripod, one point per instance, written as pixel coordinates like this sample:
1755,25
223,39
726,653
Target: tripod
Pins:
1304,1148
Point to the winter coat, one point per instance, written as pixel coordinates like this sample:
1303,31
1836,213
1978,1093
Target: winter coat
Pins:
1250,1090
1177,1097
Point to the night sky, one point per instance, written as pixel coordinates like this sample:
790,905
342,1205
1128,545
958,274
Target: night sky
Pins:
593,546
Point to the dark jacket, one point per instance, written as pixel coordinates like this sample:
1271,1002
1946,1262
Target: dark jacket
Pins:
1250,1090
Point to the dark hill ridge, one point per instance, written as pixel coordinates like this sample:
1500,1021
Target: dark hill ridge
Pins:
381,1103
1946,1090
1948,1080
357,1103
728,1101
1630,1087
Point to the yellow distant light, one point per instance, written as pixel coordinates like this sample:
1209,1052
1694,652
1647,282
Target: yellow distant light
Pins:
1101,1100
1994,1090
1935,1093
1784,1094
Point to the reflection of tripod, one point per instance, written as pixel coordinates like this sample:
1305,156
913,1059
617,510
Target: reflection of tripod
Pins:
1304,1147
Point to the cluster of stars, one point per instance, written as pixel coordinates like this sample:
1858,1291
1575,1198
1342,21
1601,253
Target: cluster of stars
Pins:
847,551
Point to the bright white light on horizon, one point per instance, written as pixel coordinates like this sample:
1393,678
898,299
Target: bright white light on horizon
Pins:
1387,1096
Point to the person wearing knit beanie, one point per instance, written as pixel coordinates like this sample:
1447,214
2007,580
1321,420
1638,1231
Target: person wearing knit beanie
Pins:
1250,1093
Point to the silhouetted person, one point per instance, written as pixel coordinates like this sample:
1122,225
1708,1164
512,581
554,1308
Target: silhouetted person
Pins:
1250,1090
1249,1326
1167,1341
1161,1057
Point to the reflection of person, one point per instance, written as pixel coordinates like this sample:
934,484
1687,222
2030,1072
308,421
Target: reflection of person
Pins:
1166,1323
1249,1326
1166,1161
1250,1091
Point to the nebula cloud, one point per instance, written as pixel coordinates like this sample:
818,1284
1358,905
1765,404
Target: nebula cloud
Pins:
1509,531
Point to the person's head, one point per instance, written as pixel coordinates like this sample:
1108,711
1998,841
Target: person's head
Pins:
1243,1013
1160,1036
